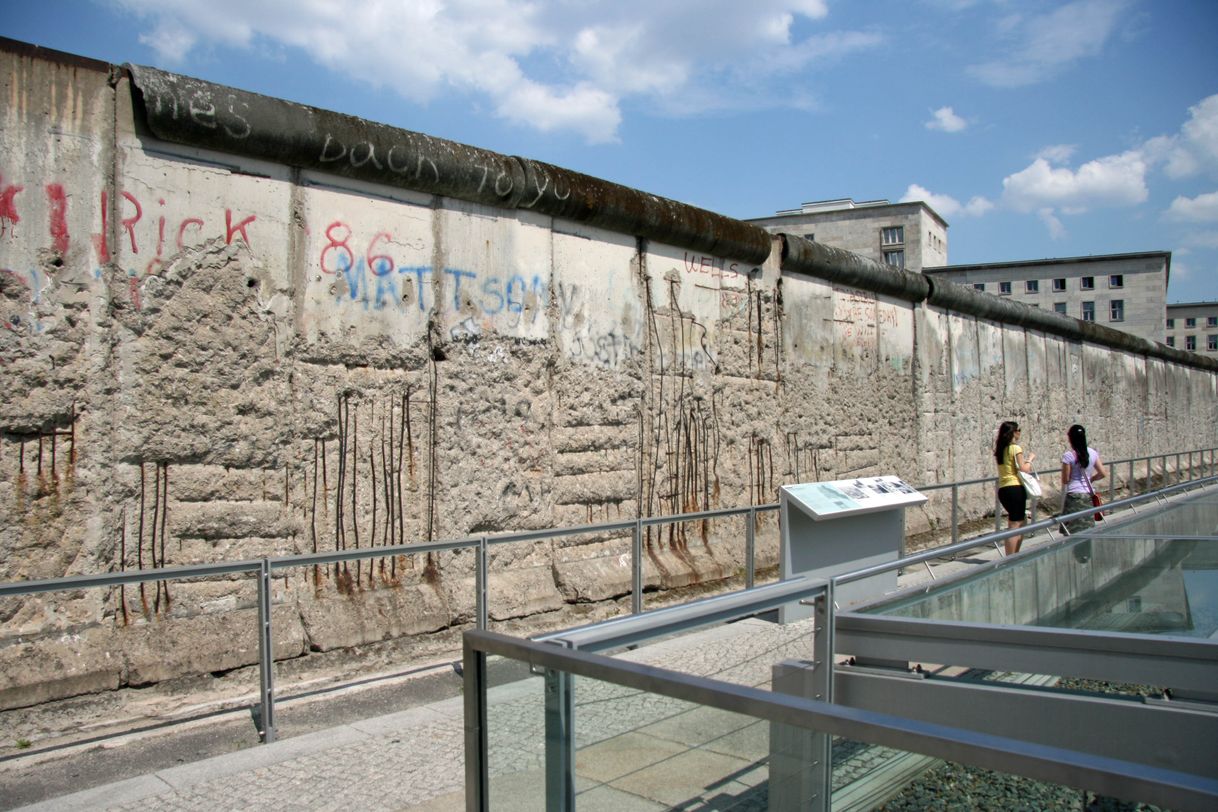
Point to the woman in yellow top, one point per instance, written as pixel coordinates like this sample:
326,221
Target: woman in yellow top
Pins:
1011,494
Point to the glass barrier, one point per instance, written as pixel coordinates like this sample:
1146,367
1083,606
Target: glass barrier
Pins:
1132,583
632,749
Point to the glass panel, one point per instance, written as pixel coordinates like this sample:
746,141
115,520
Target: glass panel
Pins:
637,750
1119,579
516,736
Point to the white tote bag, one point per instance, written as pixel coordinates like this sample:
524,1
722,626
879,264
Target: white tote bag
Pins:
1031,483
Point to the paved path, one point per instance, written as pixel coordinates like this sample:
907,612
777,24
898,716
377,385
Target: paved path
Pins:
414,759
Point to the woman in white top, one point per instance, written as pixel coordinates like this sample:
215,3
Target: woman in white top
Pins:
1081,466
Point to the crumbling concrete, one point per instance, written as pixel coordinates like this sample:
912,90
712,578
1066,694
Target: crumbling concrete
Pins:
225,347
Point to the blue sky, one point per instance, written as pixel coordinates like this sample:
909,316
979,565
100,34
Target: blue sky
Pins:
1036,129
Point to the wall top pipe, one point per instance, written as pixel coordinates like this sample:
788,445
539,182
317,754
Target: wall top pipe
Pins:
190,111
838,265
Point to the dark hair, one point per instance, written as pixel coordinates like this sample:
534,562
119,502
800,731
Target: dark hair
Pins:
1078,441
1006,433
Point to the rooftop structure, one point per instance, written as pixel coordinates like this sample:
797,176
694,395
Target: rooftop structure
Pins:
903,235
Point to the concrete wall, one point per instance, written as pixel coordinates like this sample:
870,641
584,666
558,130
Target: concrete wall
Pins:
235,327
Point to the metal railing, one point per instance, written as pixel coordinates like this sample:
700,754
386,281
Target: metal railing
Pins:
264,569
1075,767
1122,779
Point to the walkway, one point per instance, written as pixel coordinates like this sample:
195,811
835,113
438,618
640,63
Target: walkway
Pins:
414,759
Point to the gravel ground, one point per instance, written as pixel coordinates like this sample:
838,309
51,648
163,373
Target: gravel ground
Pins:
957,787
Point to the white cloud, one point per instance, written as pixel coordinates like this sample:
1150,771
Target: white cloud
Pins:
945,119
1048,183
1115,180
1044,45
1057,154
947,205
545,64
1056,230
1199,209
1195,149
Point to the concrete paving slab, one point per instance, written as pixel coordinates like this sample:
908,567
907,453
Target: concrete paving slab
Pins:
119,793
691,776
617,757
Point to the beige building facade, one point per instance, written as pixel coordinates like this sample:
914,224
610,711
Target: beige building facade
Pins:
1124,291
911,236
1193,327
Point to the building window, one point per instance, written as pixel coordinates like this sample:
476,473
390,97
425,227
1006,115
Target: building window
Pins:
1088,311
894,258
979,286
1211,321
1087,283
1190,343
1190,322
1171,324
1171,341
1004,288
1059,285
1116,310
1060,307
893,235
1211,342
1031,286
1116,280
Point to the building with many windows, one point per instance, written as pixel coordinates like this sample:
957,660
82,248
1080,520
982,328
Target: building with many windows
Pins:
1124,291
1193,327
903,235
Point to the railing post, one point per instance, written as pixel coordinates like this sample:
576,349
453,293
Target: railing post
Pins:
801,761
266,653
955,513
750,567
636,569
480,585
560,742
477,773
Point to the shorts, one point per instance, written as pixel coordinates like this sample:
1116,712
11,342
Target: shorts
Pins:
1075,502
1015,500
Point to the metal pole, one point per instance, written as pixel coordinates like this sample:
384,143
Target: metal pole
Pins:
480,586
560,742
636,569
955,513
750,569
266,653
477,773
801,761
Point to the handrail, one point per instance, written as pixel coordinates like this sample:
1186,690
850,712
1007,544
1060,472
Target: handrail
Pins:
265,568
1027,529
1168,788
625,631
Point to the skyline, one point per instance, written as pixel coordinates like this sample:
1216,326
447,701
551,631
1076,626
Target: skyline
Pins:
1035,129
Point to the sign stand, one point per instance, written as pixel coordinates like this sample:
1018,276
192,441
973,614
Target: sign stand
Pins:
833,527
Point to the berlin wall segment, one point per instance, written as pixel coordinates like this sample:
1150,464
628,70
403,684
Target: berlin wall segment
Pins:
208,355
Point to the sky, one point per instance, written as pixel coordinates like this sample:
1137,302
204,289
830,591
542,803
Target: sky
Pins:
1036,129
